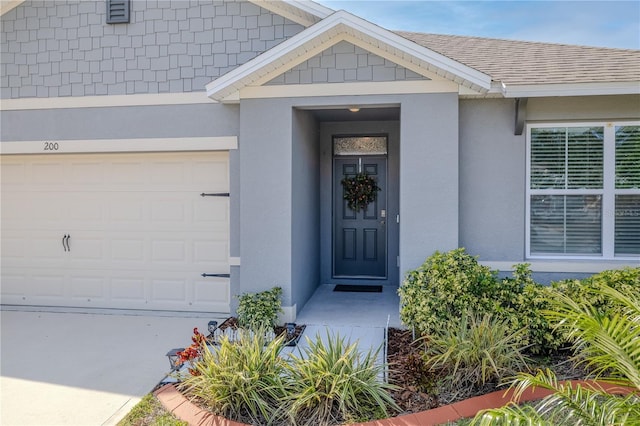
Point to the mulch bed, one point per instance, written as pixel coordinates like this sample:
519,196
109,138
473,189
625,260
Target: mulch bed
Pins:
419,388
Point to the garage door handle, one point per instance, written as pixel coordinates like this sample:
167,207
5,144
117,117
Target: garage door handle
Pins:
217,275
65,242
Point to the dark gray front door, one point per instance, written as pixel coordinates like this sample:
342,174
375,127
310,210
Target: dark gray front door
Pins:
360,238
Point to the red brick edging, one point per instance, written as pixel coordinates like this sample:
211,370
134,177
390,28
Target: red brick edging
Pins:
186,411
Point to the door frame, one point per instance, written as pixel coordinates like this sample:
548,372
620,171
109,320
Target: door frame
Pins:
334,207
329,129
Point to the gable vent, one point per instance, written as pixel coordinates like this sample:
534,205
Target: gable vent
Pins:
117,11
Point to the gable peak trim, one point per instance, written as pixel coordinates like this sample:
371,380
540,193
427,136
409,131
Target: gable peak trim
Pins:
303,12
340,26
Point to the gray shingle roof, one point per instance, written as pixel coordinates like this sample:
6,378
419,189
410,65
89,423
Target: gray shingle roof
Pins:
523,62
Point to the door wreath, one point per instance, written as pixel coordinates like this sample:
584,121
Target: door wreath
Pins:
359,191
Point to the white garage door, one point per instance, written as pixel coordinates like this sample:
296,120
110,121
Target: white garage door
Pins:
121,231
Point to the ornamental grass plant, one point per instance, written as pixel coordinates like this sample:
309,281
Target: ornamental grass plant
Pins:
333,383
243,380
479,349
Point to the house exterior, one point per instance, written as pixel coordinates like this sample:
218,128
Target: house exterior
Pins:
170,155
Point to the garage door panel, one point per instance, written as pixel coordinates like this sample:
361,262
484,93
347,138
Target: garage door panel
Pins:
203,171
167,210
127,249
14,248
45,248
128,289
49,286
168,290
211,293
14,284
89,288
168,251
141,234
48,173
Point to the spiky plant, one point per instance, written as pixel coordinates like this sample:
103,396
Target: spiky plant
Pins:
241,380
608,343
334,383
477,350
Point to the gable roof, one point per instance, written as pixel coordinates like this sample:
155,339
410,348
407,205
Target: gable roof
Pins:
337,27
518,63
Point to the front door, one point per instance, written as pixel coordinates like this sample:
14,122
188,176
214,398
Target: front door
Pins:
360,238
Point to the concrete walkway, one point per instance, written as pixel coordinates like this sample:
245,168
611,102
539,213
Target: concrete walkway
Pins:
82,369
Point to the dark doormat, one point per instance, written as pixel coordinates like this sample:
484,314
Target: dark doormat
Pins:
358,288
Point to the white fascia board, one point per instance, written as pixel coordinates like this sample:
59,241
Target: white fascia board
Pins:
305,13
318,37
348,89
570,89
53,147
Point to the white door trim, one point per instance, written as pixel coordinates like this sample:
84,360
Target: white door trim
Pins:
217,143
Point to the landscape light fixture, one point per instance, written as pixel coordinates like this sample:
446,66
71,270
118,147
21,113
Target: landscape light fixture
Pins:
291,329
173,358
211,326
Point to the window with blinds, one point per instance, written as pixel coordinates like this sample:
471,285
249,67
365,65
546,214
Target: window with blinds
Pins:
627,199
576,181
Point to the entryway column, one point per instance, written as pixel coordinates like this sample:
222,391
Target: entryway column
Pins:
428,177
265,195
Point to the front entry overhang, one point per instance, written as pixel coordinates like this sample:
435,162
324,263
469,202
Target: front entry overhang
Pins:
342,26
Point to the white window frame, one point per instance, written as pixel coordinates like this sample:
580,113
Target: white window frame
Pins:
608,191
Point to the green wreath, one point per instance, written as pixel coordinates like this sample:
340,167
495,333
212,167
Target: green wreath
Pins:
359,191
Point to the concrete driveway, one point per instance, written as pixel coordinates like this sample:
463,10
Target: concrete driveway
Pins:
82,369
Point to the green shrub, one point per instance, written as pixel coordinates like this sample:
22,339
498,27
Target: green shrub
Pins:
477,350
241,380
333,383
439,292
625,280
522,302
258,311
445,286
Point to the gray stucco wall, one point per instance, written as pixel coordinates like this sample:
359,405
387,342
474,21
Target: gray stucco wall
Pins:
164,121
428,177
65,48
345,62
305,204
266,196
492,180
584,108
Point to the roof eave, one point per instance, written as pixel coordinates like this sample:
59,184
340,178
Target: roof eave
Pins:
305,13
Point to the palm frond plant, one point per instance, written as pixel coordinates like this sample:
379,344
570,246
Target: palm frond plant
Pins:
334,383
609,343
